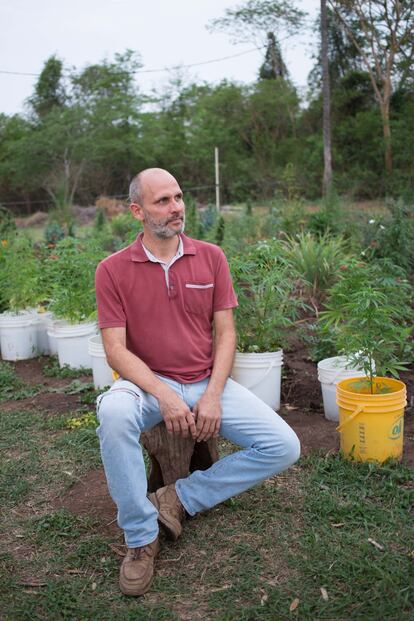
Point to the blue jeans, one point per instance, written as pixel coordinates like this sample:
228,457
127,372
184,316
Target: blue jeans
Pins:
268,446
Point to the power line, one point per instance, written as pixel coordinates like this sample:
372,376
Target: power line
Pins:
206,62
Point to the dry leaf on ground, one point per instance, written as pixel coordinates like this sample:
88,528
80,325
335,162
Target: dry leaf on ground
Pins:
294,604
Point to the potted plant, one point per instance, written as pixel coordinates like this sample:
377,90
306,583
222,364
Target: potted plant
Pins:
267,308
370,313
71,271
20,271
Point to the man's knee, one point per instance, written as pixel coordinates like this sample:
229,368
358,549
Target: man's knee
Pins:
292,448
284,450
117,410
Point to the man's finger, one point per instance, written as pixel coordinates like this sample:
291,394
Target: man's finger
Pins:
191,425
168,425
176,426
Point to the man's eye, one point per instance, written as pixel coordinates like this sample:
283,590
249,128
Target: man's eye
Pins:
163,201
178,198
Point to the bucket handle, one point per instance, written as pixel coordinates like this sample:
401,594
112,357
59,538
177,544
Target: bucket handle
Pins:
355,413
269,368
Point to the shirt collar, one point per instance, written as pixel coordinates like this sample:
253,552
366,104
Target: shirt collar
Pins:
138,253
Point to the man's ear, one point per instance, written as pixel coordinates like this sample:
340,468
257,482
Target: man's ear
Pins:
137,211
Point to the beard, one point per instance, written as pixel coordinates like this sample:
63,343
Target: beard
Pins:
161,229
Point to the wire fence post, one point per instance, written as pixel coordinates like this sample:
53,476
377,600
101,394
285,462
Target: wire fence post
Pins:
216,165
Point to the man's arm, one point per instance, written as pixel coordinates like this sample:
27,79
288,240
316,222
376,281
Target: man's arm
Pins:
208,408
177,416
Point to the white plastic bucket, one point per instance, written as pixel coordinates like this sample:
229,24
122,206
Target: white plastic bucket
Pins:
72,343
330,372
18,336
101,371
51,336
44,322
260,373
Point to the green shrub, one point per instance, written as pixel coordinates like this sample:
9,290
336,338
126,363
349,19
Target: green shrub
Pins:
265,291
71,272
370,311
392,236
20,275
125,227
315,261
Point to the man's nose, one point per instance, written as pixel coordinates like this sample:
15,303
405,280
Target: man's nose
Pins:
176,205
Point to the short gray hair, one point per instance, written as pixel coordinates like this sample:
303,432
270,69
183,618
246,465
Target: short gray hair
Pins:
135,190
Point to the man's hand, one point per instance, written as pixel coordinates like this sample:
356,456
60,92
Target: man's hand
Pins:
177,415
208,417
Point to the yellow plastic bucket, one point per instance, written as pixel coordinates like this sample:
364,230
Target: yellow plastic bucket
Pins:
371,425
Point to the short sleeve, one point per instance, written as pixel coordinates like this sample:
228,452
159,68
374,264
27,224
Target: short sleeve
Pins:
224,295
111,313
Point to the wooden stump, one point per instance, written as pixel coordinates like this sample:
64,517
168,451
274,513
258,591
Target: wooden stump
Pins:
174,457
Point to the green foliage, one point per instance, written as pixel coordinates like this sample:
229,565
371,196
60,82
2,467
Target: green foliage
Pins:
71,271
100,221
259,17
49,88
320,341
52,368
369,309
392,236
7,224
11,386
53,233
20,275
125,227
315,261
220,231
267,306
53,527
193,226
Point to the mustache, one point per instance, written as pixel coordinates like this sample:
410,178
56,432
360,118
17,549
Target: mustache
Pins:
176,218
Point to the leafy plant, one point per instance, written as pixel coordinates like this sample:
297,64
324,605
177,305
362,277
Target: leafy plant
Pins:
392,236
51,368
11,386
53,233
372,318
7,223
315,261
20,275
71,270
267,307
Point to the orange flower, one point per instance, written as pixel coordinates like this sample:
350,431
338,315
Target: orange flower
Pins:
4,243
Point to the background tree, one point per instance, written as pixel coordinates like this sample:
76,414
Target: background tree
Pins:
49,91
326,95
273,66
387,49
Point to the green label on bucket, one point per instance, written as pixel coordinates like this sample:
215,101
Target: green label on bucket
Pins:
395,431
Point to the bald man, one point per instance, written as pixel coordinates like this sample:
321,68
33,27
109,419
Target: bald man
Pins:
165,309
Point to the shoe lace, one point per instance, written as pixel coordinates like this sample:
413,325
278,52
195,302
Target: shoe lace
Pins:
137,553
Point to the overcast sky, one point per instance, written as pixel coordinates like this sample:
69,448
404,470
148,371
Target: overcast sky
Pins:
166,33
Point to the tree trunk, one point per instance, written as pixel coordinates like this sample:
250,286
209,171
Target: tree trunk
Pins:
326,123
386,129
174,457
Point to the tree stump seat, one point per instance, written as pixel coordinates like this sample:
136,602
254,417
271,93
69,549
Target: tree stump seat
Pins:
173,457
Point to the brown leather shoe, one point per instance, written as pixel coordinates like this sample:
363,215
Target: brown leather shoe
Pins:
171,512
137,569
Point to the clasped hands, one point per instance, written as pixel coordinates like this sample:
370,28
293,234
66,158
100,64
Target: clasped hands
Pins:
202,423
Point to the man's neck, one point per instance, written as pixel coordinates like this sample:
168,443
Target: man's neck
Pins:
163,249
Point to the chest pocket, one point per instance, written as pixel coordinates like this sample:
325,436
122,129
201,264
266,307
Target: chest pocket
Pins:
198,297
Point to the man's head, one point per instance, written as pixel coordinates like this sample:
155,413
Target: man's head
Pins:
157,200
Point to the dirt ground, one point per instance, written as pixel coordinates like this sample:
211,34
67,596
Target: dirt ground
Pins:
301,407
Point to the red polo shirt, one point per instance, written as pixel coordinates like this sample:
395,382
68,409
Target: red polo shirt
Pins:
169,328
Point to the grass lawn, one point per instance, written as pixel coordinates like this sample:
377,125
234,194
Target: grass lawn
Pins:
328,539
